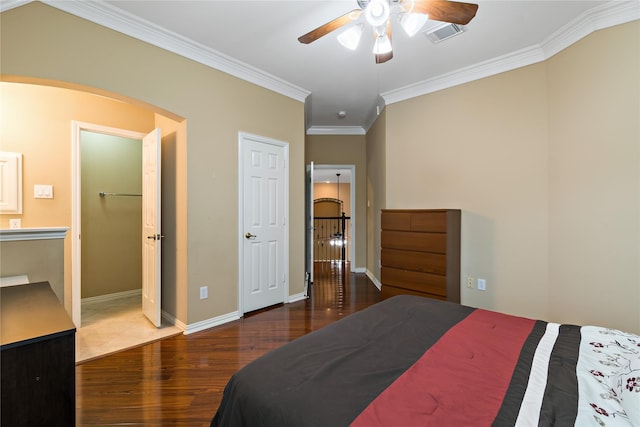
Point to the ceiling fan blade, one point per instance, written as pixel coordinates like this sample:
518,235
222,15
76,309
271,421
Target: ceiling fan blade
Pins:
330,26
381,58
446,11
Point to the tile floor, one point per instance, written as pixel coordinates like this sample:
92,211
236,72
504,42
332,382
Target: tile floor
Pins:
114,325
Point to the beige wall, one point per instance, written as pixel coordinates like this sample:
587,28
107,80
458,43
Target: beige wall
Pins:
345,150
41,42
376,190
544,163
594,180
40,260
111,226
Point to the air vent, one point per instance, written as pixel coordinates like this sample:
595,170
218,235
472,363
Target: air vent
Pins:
443,32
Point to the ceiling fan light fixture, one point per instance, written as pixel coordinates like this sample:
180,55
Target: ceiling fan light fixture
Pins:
413,22
382,45
350,38
377,12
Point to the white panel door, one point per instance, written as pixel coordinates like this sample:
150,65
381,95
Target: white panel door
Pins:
263,213
151,233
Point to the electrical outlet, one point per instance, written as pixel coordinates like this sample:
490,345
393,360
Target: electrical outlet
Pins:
482,285
204,292
470,282
15,223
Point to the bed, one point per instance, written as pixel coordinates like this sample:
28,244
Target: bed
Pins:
414,361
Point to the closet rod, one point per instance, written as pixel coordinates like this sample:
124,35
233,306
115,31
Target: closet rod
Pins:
102,194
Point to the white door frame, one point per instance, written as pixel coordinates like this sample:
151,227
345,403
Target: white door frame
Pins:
308,222
242,136
76,214
352,215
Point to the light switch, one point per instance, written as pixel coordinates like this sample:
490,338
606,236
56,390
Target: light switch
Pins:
43,191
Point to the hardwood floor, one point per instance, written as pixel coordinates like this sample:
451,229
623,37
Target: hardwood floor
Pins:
179,381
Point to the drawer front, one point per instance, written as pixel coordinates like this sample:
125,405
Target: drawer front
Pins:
425,242
414,280
390,291
395,221
426,262
435,222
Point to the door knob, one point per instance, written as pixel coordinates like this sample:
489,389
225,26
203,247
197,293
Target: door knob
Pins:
155,237
250,236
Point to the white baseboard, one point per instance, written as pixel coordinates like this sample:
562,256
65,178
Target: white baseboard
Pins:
109,297
297,297
14,280
173,321
374,279
209,323
218,320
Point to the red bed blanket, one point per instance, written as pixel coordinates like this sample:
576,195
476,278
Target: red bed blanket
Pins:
413,361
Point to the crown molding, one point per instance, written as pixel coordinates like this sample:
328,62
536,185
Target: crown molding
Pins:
478,71
336,130
10,4
607,15
108,16
613,13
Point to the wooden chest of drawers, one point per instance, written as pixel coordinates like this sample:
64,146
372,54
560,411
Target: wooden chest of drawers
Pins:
421,253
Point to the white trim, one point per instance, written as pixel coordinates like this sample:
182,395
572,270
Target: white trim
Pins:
111,297
171,319
209,323
598,18
76,215
296,297
126,23
42,233
607,15
336,130
14,281
374,279
242,136
218,320
10,4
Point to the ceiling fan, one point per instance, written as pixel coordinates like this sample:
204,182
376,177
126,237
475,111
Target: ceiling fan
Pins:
412,15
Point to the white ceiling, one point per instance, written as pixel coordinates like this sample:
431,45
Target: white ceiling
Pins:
257,41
